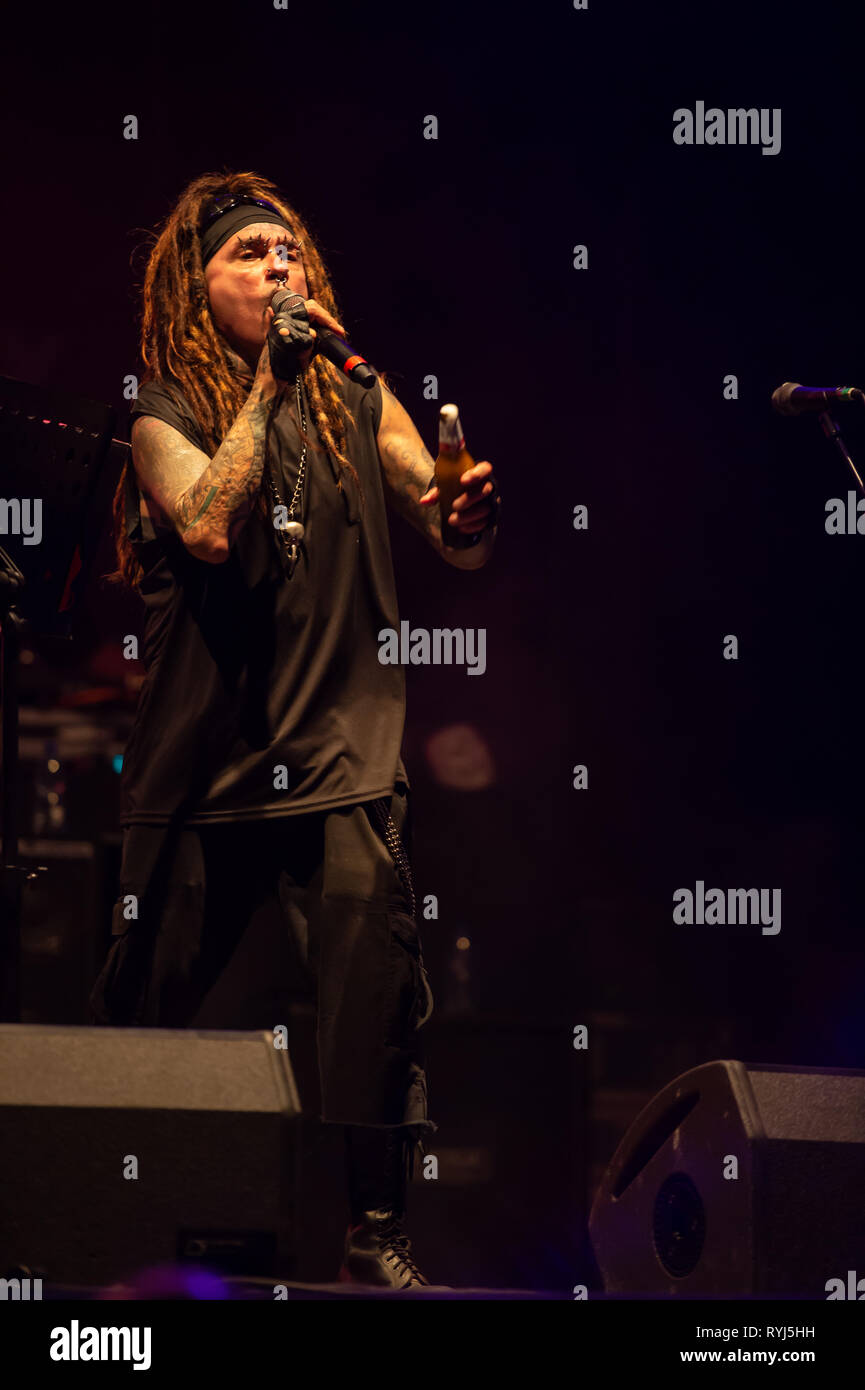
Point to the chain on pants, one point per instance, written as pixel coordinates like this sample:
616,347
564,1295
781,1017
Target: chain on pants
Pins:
386,824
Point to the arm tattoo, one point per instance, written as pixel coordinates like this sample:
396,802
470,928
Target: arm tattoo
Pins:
410,472
224,493
205,504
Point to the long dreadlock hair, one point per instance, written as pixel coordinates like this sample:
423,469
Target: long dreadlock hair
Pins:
182,347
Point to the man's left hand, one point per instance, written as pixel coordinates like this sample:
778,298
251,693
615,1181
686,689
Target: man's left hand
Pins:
473,508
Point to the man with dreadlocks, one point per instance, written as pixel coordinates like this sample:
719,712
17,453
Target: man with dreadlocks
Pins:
265,753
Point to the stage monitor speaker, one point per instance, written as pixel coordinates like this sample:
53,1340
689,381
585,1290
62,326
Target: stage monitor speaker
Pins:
129,1147
738,1180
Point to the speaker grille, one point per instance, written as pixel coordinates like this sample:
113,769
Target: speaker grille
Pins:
678,1225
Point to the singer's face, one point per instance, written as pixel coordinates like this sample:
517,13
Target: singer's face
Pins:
241,279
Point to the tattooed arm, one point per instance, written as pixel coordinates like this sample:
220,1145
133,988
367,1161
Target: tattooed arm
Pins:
206,500
409,471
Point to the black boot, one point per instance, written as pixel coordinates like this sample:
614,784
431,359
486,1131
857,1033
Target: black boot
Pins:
377,1249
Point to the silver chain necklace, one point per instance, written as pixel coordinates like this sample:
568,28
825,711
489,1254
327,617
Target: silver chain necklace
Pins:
292,532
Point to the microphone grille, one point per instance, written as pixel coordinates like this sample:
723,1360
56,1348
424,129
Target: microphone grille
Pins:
281,298
782,396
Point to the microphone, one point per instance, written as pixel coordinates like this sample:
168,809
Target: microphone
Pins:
337,350
793,399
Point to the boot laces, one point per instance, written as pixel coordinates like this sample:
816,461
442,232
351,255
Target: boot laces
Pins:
397,1252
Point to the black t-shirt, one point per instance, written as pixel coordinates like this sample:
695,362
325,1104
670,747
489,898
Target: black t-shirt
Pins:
263,695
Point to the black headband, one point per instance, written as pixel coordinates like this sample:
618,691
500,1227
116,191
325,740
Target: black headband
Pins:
217,234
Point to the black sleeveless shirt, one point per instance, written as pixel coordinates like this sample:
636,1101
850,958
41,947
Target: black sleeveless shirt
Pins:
263,695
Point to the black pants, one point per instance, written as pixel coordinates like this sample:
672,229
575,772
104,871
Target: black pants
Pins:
348,915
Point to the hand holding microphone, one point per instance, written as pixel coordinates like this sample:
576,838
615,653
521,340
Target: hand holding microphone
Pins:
291,339
291,336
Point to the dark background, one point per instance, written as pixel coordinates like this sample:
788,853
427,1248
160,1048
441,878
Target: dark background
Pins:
601,387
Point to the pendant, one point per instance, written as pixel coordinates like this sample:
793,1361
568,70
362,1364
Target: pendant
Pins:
294,531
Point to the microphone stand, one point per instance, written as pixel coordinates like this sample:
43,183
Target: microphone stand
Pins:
832,431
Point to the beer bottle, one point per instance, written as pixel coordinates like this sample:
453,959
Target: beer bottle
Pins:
453,460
